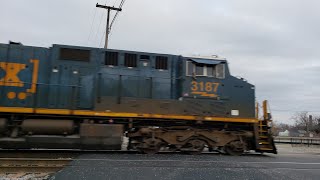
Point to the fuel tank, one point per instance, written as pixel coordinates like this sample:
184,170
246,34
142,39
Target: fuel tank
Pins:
48,127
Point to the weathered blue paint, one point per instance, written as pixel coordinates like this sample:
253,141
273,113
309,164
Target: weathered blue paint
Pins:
69,84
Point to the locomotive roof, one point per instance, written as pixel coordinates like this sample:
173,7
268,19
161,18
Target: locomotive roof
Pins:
198,59
207,60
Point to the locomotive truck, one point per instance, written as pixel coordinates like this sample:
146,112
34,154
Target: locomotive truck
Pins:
70,97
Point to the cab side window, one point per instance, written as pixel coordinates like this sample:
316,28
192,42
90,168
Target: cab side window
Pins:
190,68
200,68
220,71
209,70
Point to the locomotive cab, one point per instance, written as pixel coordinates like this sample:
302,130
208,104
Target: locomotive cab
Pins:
209,85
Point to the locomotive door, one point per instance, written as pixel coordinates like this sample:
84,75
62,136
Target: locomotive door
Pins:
145,77
134,82
64,87
85,92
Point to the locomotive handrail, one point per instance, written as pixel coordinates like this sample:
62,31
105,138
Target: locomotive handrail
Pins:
66,85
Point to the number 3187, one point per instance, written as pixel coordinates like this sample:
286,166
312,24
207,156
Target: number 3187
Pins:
201,86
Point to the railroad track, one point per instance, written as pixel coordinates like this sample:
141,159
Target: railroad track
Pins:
31,168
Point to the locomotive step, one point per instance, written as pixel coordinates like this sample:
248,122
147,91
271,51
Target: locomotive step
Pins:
265,149
263,137
264,131
264,143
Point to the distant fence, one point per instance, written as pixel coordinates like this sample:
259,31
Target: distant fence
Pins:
297,140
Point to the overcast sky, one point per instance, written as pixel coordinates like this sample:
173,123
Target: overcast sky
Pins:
274,44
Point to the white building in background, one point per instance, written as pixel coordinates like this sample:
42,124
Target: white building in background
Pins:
285,133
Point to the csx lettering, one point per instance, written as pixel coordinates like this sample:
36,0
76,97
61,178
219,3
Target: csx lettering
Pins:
11,77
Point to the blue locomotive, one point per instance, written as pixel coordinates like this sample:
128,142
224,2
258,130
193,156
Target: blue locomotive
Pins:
90,98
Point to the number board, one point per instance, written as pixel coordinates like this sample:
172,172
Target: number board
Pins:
204,89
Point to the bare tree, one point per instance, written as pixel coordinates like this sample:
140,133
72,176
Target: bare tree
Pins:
316,124
279,127
302,121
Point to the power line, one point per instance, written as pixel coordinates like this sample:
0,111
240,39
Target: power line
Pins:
99,26
283,110
116,15
114,19
289,110
94,17
101,39
103,35
92,25
100,22
109,9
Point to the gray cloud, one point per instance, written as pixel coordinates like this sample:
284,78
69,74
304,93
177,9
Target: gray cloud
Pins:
273,44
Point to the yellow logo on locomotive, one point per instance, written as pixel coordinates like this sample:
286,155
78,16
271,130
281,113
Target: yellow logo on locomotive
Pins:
11,78
204,89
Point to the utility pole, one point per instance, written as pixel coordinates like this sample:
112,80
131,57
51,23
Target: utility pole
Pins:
309,125
109,8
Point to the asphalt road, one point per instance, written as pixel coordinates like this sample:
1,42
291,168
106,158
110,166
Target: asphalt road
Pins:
285,165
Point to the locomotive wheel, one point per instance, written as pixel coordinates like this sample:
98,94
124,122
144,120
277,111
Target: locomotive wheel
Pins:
234,148
194,146
172,148
151,150
151,146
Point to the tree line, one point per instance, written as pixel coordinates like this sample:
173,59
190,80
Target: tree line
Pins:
303,122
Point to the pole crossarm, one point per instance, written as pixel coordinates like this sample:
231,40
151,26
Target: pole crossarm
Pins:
108,7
